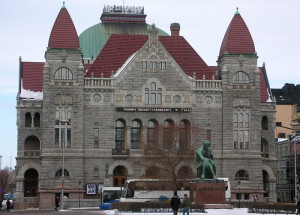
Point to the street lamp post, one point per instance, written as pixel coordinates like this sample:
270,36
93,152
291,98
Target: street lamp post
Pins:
239,181
79,186
63,164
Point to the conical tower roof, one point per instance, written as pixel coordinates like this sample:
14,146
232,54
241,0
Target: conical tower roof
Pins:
63,34
237,39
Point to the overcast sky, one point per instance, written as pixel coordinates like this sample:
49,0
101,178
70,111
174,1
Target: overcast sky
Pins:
26,26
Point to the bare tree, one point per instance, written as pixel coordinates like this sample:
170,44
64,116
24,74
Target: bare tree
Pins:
170,152
4,179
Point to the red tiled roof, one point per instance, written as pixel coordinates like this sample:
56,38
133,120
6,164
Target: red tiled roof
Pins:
186,57
63,34
237,38
263,87
120,47
116,51
32,76
214,69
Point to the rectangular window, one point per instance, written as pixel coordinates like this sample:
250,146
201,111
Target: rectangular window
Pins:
56,137
62,137
281,135
151,65
164,65
159,99
69,137
235,139
246,139
142,65
153,98
241,139
96,138
160,65
147,98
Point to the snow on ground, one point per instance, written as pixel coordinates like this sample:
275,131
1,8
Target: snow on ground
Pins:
235,211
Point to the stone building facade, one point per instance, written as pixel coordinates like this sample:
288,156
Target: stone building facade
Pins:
103,111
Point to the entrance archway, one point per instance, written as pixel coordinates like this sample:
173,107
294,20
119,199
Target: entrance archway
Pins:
119,176
266,183
31,183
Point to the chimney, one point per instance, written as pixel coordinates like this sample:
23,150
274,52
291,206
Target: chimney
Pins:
175,28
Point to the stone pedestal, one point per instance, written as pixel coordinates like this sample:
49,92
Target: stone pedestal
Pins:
207,192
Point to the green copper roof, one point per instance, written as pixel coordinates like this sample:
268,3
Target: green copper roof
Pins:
93,39
237,11
63,7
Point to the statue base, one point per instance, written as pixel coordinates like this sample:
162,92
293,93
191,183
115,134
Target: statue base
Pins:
207,191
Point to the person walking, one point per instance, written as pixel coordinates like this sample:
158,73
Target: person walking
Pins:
175,202
56,203
7,204
186,205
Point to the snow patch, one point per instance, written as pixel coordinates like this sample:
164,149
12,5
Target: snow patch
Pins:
124,65
28,94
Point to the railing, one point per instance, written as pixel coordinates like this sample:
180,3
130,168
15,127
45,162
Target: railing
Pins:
32,153
120,151
98,82
208,84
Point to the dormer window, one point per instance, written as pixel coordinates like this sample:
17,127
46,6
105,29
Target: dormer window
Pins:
63,74
240,78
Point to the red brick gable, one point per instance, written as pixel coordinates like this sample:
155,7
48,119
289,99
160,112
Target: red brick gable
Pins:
237,38
32,76
120,47
63,34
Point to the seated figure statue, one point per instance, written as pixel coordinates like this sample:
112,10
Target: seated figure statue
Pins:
205,165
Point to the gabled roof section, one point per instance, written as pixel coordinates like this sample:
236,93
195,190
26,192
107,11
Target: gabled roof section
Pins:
116,51
32,76
63,34
186,57
120,47
237,39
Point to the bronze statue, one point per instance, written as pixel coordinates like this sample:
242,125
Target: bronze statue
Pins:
205,165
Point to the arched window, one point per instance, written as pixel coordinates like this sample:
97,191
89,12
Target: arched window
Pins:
168,134
154,97
32,146
59,173
96,173
185,135
240,78
152,134
264,123
120,134
63,74
242,175
135,134
36,120
28,119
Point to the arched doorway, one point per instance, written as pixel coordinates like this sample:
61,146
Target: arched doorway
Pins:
31,183
266,184
119,176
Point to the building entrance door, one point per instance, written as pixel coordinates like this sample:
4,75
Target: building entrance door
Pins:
119,176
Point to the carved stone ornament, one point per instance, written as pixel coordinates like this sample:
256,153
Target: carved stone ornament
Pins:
107,98
168,98
120,98
139,98
186,99
241,102
63,99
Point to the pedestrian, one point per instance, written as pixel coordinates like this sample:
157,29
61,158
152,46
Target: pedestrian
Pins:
175,202
298,207
186,205
56,203
7,204
257,199
254,199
